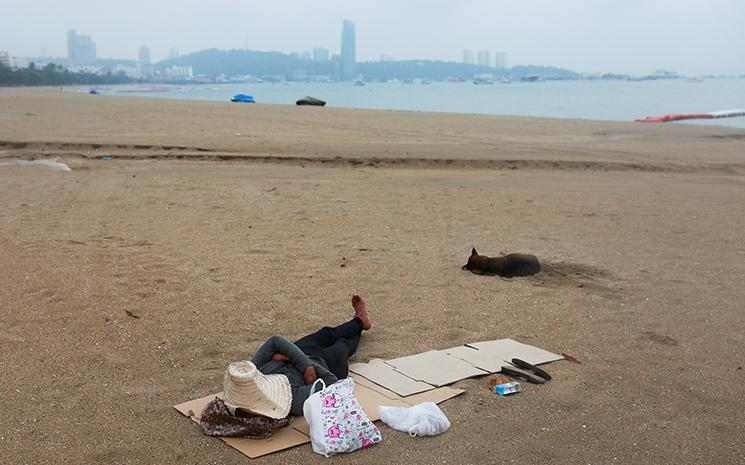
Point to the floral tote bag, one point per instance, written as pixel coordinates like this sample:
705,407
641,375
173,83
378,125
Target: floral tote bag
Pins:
337,422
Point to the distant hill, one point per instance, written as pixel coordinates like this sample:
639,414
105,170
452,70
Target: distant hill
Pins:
214,62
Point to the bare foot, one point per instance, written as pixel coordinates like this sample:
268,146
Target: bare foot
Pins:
310,375
360,311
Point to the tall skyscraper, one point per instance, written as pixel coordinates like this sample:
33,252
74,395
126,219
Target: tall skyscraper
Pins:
144,55
81,50
173,53
320,54
500,60
4,58
348,51
468,56
483,58
146,69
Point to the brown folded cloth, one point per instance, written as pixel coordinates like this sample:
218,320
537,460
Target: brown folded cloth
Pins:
217,420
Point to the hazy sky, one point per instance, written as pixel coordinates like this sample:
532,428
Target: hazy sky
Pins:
630,36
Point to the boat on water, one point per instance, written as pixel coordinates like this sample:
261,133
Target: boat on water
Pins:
359,83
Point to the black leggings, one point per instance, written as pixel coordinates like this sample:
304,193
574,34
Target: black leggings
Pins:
334,345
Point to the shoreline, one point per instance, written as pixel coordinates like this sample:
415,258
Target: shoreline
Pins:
60,122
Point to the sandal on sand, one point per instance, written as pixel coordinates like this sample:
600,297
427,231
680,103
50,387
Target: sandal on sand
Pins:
519,373
527,366
529,372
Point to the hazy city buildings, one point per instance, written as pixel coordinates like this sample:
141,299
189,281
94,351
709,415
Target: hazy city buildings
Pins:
81,50
320,54
348,51
500,60
483,58
468,57
173,53
4,58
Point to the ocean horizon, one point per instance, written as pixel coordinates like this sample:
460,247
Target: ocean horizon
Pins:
583,99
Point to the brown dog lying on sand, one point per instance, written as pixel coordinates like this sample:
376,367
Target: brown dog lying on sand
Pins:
506,266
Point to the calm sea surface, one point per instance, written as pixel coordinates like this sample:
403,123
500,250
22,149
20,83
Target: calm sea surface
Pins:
601,100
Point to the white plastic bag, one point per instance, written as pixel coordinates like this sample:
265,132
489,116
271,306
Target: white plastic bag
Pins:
425,419
337,422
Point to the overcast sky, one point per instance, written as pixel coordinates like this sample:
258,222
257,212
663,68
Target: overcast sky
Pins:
629,36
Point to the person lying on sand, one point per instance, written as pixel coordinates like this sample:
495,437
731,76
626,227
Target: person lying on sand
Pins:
279,377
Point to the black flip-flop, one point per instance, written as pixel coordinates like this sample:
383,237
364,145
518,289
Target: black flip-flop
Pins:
527,366
519,373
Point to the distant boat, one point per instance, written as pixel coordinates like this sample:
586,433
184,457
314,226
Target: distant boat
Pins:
358,83
242,98
693,79
531,78
425,82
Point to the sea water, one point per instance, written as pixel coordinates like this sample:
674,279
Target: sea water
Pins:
598,100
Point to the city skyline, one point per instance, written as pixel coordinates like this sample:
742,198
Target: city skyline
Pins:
584,35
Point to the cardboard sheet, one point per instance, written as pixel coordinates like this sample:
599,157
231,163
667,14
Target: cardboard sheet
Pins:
477,358
435,367
281,440
437,396
507,349
359,379
370,400
386,376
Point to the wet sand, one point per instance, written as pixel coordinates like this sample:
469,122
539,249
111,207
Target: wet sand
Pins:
129,284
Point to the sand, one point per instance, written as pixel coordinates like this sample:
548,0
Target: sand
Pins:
129,284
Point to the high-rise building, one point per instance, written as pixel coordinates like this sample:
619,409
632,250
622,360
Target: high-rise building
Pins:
468,56
81,50
320,54
144,55
483,58
500,60
173,53
348,51
146,68
4,58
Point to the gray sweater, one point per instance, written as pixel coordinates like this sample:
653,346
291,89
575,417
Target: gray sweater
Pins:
293,369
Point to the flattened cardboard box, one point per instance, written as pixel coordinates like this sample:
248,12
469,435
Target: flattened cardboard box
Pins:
435,367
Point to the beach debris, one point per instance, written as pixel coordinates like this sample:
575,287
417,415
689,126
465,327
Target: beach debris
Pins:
242,98
105,157
512,387
497,381
312,101
54,164
570,358
136,317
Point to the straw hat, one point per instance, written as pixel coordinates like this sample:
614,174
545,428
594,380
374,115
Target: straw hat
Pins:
247,388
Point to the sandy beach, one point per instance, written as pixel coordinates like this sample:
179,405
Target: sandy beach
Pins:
129,284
